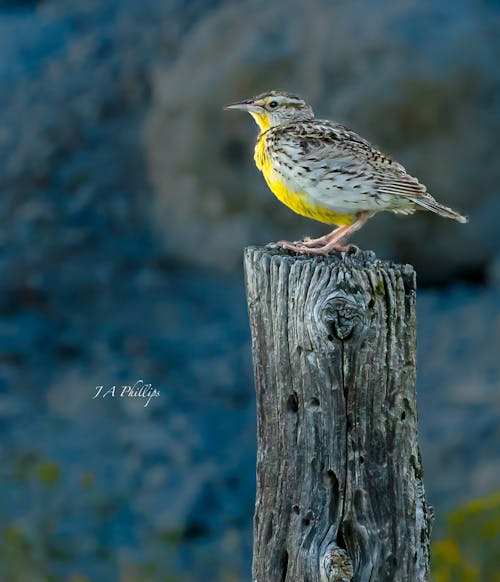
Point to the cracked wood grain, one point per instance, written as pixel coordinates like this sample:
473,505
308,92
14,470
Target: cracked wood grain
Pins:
340,495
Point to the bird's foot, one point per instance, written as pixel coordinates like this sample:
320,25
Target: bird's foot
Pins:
312,242
331,238
302,249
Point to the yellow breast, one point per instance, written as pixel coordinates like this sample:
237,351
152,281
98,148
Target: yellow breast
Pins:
298,201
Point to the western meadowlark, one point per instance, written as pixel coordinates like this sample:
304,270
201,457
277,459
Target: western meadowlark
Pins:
325,171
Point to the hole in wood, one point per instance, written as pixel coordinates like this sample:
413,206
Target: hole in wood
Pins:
340,539
314,404
361,459
308,517
269,529
284,565
333,505
330,337
371,303
296,509
403,415
293,402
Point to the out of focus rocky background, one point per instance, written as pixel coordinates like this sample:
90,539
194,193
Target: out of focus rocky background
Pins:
126,198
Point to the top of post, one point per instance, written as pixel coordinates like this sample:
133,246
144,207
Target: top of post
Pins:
354,258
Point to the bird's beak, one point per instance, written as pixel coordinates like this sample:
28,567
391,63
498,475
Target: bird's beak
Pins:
247,105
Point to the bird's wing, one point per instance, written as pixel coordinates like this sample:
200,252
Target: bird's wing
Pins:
334,158
328,148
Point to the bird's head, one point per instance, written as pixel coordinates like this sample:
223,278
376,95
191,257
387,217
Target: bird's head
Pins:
274,108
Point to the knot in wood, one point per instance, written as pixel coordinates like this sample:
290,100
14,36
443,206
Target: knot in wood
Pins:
342,315
336,565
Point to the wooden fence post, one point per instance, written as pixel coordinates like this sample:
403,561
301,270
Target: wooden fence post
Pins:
340,494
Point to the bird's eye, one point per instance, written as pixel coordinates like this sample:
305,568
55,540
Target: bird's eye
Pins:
273,104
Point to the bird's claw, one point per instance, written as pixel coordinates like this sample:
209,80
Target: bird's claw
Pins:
301,249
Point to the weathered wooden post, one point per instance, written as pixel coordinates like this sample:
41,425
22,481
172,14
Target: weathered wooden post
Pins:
340,495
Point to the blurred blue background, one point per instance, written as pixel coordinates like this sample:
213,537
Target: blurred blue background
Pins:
127,196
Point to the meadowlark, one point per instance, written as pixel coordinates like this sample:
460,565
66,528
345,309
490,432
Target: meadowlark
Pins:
325,171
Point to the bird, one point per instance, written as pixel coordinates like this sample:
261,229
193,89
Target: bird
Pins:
325,171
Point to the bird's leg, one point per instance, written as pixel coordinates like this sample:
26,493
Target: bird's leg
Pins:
322,240
334,239
333,243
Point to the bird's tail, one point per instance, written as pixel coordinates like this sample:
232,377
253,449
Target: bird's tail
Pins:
434,206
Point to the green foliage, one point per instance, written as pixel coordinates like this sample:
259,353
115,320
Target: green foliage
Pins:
470,551
48,473
30,546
